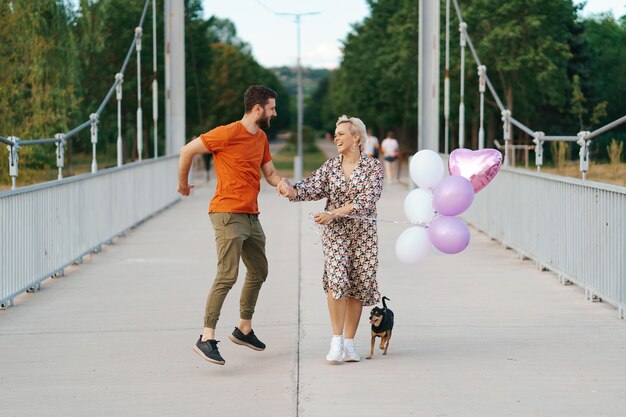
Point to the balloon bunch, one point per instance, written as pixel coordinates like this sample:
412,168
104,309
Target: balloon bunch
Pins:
433,206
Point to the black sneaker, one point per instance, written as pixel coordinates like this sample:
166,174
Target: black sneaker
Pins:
249,340
208,351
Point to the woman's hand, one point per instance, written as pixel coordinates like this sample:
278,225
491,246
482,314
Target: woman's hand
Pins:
323,218
285,189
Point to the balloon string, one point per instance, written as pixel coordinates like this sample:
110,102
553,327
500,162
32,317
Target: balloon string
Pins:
373,219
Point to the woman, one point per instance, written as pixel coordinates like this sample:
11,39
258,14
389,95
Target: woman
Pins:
371,145
352,183
390,149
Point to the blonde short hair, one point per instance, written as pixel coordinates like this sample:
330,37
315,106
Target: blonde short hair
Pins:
357,128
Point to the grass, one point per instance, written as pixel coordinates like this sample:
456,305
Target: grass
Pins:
313,159
607,173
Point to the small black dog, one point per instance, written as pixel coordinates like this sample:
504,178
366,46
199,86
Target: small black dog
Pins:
381,320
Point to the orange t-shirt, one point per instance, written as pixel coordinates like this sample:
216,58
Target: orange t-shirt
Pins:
238,157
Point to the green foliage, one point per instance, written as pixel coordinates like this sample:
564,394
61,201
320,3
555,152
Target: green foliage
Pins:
556,72
377,80
606,37
105,30
38,81
578,101
318,109
59,64
220,67
311,77
526,46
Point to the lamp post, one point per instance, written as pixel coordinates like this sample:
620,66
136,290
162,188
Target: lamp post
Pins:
298,160
428,76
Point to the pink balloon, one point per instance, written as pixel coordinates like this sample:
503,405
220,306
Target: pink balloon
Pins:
453,195
449,234
479,167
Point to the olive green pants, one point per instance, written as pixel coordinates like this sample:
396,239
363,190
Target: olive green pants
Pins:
237,236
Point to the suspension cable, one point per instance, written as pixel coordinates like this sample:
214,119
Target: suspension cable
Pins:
606,127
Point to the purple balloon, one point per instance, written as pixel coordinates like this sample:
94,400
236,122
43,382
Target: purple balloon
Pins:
453,195
449,234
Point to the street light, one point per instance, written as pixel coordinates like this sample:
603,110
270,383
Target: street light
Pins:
298,160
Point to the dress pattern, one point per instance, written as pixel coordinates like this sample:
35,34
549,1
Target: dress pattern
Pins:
350,246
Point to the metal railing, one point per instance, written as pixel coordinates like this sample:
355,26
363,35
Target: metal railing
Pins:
46,227
572,227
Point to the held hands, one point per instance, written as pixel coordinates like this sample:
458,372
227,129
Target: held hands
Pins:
285,189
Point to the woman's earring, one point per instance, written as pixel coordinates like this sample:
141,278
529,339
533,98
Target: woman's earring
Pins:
353,148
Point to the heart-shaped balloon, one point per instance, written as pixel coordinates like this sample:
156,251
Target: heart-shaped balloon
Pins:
479,167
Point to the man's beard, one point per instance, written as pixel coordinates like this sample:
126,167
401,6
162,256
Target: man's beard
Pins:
264,122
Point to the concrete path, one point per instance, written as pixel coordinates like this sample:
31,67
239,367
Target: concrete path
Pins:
479,334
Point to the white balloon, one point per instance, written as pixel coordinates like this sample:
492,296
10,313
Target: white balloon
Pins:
426,168
418,206
413,245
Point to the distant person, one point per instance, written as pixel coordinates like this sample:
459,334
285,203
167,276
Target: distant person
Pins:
352,184
390,150
372,147
208,157
241,152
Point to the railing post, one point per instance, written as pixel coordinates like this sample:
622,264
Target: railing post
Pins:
482,71
138,33
13,159
155,83
94,141
538,141
584,152
155,113
60,144
462,30
119,78
506,134
446,113
446,86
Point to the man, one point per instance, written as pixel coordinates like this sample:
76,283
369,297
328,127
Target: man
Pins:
240,150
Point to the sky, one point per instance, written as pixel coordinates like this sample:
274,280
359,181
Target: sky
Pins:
273,38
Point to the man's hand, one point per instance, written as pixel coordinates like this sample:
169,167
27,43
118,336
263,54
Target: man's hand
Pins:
323,218
285,189
195,147
184,189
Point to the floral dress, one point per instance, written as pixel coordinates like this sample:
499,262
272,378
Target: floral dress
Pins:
350,246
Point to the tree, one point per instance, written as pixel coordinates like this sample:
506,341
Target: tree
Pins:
606,38
319,112
378,75
39,81
105,30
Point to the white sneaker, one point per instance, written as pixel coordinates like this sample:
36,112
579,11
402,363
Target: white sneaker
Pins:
336,349
349,353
